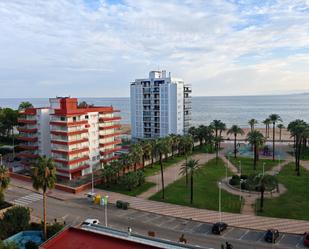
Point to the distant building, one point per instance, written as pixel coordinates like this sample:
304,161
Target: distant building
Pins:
77,139
99,237
160,105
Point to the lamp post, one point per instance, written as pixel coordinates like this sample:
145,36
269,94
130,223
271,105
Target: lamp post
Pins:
92,183
240,180
220,215
263,168
1,162
105,202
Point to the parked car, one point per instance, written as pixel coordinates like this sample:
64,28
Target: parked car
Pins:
89,222
271,235
218,227
306,239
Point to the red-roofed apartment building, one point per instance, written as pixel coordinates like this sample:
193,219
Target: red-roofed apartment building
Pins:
77,139
79,238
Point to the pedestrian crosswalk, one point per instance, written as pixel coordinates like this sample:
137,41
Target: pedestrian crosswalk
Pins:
28,199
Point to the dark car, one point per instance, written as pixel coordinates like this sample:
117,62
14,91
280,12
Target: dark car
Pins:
306,239
271,235
218,227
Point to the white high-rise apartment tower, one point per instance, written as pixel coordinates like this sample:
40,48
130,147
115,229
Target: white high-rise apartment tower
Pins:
160,105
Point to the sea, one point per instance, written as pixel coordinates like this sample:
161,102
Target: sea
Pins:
229,109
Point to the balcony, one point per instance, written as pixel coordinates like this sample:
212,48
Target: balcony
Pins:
72,161
26,121
106,152
72,171
27,138
28,146
105,161
116,126
111,135
27,130
69,133
65,123
28,155
118,141
115,118
83,140
70,152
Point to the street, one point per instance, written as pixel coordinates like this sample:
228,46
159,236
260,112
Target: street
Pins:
74,211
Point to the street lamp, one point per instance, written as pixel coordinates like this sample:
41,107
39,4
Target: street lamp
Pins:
1,162
220,215
263,168
92,183
105,202
240,181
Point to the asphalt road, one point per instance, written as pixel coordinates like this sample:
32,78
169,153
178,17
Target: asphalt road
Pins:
73,212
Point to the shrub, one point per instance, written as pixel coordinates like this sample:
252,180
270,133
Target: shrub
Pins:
35,226
235,180
129,180
244,177
31,245
54,229
15,220
140,177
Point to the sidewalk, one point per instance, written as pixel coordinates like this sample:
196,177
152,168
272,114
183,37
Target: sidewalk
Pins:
171,174
203,215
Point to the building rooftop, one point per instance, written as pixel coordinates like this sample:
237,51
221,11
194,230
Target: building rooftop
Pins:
99,237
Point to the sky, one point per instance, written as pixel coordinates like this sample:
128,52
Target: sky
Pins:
95,48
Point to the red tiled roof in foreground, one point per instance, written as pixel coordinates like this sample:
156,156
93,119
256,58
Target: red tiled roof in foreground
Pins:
74,238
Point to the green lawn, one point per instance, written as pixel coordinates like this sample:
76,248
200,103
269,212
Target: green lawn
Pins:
247,164
120,189
294,203
206,192
304,156
152,170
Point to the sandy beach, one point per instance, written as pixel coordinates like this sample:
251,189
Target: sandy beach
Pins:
285,135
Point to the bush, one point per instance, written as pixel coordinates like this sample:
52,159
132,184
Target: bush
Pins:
54,229
35,226
129,180
140,177
235,180
16,220
31,245
244,177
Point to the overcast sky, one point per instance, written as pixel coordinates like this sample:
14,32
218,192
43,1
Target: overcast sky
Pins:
94,48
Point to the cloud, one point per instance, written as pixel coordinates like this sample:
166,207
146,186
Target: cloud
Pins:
98,46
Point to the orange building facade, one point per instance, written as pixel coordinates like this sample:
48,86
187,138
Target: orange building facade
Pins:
78,140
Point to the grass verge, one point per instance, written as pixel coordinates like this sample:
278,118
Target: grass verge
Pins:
294,203
122,190
206,191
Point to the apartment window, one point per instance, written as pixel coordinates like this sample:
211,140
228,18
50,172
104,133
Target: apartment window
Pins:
74,119
62,118
86,116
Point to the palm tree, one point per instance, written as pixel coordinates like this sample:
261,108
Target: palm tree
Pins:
147,150
175,139
266,182
162,147
126,161
24,105
256,139
280,127
235,130
218,127
252,122
186,147
299,129
136,152
168,143
44,177
193,132
4,181
200,134
190,167
274,118
266,122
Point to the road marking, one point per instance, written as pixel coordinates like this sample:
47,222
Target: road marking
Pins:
300,241
28,199
240,238
280,239
227,232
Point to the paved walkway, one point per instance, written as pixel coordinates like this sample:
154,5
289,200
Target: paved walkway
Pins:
171,174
